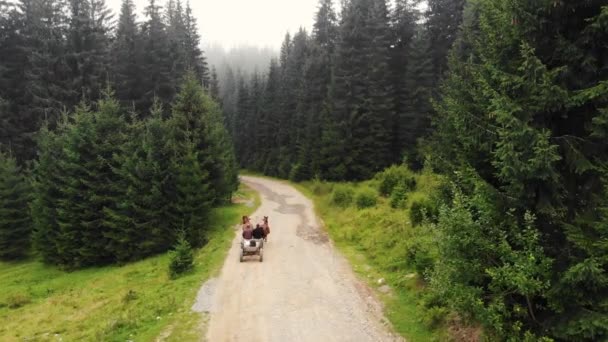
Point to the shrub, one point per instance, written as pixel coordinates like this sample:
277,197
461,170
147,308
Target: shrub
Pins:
422,209
17,300
422,253
366,198
182,258
297,173
342,196
434,316
398,196
321,188
394,175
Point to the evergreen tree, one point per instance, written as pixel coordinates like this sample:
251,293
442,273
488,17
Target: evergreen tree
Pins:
443,20
75,204
195,59
34,70
15,221
194,196
403,26
196,120
87,49
47,181
522,122
157,61
214,85
362,88
415,116
127,54
268,144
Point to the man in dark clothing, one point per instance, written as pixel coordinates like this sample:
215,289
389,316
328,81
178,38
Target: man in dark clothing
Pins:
258,232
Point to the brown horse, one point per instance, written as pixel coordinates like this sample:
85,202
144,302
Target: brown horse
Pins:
266,228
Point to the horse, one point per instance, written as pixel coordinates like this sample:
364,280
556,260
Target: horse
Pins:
266,228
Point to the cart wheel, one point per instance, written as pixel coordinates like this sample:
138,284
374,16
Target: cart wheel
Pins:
241,256
261,254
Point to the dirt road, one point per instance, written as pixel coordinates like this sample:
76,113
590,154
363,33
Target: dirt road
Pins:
302,291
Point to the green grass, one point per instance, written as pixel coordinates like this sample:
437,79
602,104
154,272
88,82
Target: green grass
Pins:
135,302
376,241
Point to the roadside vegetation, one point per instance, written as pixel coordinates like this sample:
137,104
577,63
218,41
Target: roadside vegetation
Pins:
137,301
384,227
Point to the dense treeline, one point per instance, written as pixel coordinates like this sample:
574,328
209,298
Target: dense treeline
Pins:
516,240
110,187
349,99
130,144
55,53
521,126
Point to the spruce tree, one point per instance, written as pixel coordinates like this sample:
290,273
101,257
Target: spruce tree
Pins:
194,196
87,50
46,195
521,127
214,86
195,59
404,19
362,88
127,54
197,120
444,18
15,220
157,61
415,116
35,74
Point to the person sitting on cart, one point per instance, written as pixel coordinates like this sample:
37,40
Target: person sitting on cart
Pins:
247,232
259,232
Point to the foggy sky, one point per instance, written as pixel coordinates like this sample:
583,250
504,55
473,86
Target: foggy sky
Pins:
261,23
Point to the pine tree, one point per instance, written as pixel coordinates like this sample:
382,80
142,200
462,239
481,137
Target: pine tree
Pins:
76,203
15,220
415,117
522,127
197,120
444,18
127,54
403,26
214,86
195,59
194,196
362,89
268,143
46,195
157,61
35,72
88,49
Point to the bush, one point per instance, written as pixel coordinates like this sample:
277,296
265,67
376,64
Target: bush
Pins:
366,198
434,316
182,258
297,173
320,188
422,209
342,196
398,196
17,300
393,176
422,253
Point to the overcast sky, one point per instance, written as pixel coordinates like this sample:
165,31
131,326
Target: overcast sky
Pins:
253,22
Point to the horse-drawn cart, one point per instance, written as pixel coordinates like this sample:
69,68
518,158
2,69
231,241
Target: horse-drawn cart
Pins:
251,247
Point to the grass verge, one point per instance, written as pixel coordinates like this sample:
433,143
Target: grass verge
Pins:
135,302
376,241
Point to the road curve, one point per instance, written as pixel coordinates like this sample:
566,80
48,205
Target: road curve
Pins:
302,291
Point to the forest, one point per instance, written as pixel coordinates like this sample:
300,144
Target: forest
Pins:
508,100
113,146
116,140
